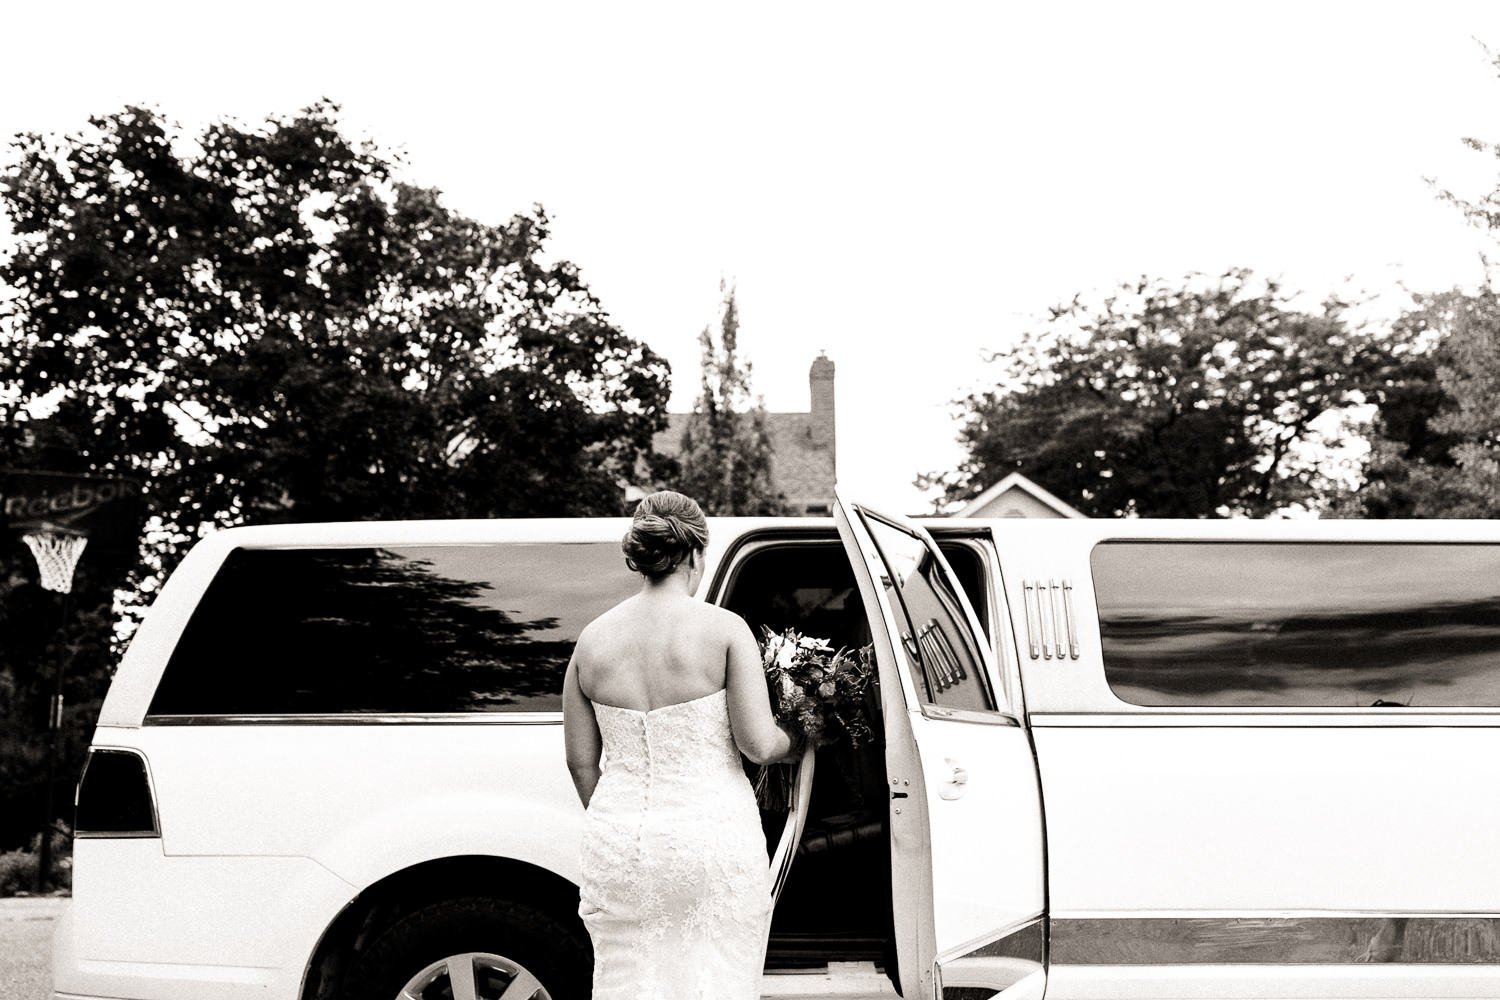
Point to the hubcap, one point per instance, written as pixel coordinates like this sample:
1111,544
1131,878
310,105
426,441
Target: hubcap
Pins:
474,975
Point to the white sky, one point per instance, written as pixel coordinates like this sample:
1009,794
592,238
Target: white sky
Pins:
901,185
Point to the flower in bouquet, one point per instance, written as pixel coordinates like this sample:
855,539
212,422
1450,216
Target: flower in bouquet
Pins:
816,690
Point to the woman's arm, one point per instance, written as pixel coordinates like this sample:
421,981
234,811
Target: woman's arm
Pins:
756,732
581,736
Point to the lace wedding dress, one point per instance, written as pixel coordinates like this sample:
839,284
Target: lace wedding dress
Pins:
676,887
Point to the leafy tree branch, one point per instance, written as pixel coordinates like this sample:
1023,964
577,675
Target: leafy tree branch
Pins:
1198,398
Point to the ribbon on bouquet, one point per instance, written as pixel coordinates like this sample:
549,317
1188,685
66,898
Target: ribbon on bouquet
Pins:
798,791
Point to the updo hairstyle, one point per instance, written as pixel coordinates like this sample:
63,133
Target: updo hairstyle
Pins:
666,528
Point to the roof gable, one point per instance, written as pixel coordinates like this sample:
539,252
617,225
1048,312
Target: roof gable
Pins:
988,502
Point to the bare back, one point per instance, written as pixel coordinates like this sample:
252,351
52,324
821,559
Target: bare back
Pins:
662,648
652,651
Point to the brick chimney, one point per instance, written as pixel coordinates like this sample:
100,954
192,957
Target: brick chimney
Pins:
820,380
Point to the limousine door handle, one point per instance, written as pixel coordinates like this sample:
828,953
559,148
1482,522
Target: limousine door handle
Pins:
957,782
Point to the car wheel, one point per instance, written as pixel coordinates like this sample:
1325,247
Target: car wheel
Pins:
474,948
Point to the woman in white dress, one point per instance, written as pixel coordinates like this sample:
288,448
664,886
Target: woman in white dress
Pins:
663,694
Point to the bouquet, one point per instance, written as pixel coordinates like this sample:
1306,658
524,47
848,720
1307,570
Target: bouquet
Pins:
816,692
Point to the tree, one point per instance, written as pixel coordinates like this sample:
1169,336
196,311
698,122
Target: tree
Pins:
1436,447
270,327
1198,399
726,453
267,324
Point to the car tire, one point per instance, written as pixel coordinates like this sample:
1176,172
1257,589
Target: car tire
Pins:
508,949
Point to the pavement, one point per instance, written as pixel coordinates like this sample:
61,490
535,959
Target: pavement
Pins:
26,925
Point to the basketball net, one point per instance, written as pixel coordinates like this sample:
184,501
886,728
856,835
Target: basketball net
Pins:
56,556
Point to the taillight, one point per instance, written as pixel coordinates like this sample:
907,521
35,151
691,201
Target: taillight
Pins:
114,797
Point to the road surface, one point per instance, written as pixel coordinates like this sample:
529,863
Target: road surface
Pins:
26,946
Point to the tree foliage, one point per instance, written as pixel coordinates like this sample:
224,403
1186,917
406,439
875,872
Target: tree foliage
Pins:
267,324
726,452
270,327
1436,447
1191,399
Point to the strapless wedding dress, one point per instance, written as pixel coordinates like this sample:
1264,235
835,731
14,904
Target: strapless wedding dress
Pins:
676,889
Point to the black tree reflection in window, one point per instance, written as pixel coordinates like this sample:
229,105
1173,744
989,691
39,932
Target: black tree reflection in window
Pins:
318,631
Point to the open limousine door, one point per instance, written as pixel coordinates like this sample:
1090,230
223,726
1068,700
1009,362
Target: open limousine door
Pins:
965,807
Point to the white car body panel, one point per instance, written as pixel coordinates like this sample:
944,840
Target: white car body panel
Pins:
497,793
1233,820
986,843
156,927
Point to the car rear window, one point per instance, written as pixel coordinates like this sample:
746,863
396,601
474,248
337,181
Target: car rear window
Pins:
350,631
1328,625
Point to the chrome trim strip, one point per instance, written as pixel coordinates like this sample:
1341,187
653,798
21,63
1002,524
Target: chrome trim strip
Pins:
1033,630
910,645
1302,914
951,663
991,964
1259,982
934,645
986,943
1344,939
1027,941
1072,618
974,715
932,665
1371,718
1044,618
352,719
1055,593
943,664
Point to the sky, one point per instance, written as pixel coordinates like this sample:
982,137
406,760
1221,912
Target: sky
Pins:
906,187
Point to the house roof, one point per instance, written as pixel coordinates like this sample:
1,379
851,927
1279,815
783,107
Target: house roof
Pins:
801,469
1016,481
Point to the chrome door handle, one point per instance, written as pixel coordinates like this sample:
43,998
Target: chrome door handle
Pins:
957,781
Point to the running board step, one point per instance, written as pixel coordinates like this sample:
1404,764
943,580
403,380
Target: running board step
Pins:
842,980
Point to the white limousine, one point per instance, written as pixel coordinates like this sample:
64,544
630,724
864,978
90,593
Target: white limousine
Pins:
1113,759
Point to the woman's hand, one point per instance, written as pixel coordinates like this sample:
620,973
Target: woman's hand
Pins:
799,744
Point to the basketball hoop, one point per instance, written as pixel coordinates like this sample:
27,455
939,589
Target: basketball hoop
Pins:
56,555
58,513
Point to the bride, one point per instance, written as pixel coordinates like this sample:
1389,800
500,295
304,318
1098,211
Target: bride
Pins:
661,697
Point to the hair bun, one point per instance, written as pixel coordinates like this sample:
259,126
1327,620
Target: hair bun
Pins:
667,526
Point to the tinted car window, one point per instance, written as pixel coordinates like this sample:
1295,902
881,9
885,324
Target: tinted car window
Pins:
968,569
1289,624
459,628
945,666
808,587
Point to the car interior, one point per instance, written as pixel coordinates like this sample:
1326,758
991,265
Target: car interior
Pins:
836,905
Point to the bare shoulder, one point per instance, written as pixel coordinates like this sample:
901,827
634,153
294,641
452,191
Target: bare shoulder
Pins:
606,623
724,623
